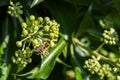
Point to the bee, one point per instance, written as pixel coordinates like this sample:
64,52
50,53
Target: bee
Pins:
42,49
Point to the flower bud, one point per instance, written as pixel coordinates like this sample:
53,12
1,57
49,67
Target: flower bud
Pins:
40,33
19,43
46,28
40,19
47,19
32,17
24,25
25,32
51,35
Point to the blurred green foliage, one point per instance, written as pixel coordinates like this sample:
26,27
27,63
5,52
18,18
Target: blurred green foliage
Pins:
81,36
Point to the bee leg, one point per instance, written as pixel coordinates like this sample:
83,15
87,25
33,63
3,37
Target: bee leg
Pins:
41,55
46,53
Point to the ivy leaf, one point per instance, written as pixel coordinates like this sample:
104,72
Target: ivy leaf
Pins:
35,2
49,63
4,58
85,22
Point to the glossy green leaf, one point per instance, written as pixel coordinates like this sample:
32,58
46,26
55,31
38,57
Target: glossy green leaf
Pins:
85,24
49,63
65,51
78,73
4,66
4,58
36,2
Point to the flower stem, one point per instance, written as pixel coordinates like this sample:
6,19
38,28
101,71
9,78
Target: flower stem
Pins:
20,19
99,47
95,52
29,36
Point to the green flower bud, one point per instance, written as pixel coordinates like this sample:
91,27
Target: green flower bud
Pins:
35,23
25,32
12,8
19,43
16,54
29,60
19,59
40,33
35,43
118,77
40,19
32,17
9,12
24,25
112,55
47,19
14,60
55,40
115,69
24,52
36,28
51,35
11,3
53,27
52,44
24,64
46,28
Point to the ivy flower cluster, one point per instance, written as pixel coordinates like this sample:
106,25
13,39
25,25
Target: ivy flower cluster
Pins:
95,67
38,35
110,36
92,65
35,31
41,28
23,57
15,9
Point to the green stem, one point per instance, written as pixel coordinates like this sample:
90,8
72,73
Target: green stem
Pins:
26,38
105,59
99,47
20,19
60,61
23,46
74,60
29,36
76,41
95,52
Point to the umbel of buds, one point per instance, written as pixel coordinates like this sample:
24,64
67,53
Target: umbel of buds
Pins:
38,35
103,70
15,9
110,36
